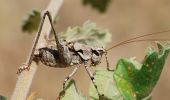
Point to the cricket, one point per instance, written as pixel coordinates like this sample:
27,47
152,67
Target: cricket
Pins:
66,54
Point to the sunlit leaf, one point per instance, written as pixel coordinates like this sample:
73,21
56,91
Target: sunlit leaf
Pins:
135,80
106,86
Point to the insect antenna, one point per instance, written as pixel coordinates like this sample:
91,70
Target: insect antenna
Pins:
141,40
134,39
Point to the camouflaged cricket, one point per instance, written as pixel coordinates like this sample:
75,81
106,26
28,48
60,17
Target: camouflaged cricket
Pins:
69,53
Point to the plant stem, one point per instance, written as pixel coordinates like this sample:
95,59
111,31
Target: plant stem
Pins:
25,78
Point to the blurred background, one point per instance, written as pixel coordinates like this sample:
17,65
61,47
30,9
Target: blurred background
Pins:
124,19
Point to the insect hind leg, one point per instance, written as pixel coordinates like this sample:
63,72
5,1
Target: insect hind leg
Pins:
26,65
52,26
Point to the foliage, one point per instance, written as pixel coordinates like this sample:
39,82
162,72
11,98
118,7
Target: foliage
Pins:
135,80
100,5
106,85
72,93
88,33
131,80
31,21
2,97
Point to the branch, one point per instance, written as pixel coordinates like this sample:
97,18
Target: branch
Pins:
25,78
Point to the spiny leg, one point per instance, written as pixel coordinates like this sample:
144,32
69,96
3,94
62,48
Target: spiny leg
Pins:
31,54
92,79
107,62
62,93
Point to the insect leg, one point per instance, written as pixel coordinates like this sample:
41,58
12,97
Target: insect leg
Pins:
52,26
66,79
92,78
70,75
26,66
107,62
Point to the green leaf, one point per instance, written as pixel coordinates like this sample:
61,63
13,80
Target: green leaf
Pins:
106,86
100,5
2,97
88,33
31,21
72,93
135,80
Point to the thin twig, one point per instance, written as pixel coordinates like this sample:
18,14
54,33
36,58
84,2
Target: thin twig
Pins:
25,78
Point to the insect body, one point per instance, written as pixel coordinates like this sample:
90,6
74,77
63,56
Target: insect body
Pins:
65,54
70,54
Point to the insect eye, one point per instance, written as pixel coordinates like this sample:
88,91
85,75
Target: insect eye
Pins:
96,52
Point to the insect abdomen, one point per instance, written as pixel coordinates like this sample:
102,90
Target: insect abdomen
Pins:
48,56
51,57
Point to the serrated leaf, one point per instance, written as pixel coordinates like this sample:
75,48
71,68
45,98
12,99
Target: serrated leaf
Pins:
136,81
31,21
72,93
100,5
2,97
106,86
88,33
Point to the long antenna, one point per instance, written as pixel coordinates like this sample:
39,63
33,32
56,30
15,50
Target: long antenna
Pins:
141,40
138,37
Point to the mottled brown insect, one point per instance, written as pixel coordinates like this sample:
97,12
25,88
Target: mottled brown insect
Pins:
65,54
